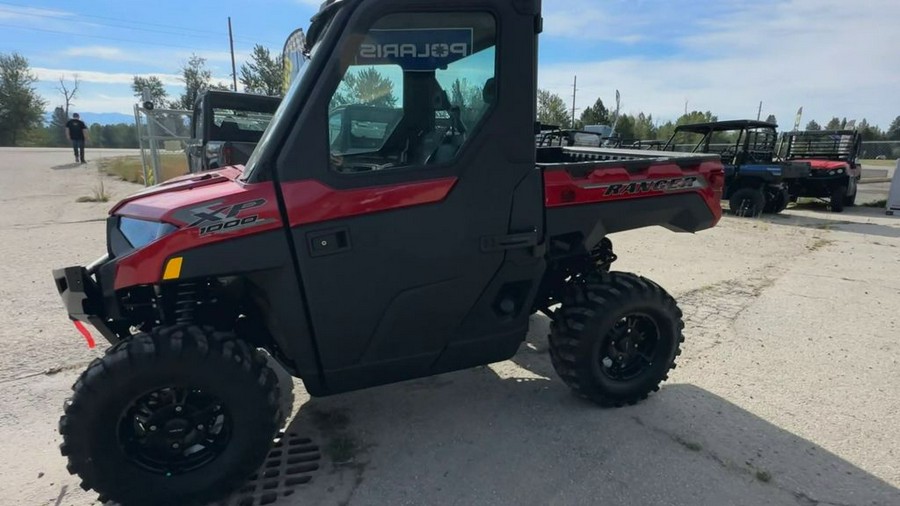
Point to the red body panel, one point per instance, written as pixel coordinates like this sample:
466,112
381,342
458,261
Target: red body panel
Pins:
215,194
563,189
313,202
156,202
145,265
826,164
198,203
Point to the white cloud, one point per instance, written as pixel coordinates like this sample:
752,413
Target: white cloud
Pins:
173,59
89,76
101,53
587,20
832,57
12,12
102,102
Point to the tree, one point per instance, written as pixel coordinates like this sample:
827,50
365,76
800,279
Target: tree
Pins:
812,125
596,114
469,98
365,87
21,108
893,132
197,79
834,124
771,119
625,128
69,92
57,134
696,117
262,75
154,85
644,129
552,110
666,131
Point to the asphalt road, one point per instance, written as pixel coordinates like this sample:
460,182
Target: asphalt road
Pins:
785,393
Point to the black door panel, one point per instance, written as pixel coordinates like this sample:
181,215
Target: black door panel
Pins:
434,287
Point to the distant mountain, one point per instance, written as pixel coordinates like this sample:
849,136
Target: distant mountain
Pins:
103,118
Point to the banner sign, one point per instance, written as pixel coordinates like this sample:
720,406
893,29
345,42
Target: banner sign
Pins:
798,119
416,50
292,57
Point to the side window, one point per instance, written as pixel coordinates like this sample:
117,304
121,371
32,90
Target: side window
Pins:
416,88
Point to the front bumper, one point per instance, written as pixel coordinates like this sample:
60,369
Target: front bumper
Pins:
83,298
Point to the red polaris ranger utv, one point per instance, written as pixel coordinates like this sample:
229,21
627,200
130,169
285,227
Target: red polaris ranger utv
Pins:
421,243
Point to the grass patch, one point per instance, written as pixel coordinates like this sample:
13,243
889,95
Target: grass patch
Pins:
129,168
878,203
880,163
99,194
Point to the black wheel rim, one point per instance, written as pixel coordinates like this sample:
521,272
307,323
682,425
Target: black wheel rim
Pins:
630,348
174,430
745,208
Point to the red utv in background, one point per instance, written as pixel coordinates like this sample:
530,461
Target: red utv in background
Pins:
833,156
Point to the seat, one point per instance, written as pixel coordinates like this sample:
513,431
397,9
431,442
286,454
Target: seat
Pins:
229,130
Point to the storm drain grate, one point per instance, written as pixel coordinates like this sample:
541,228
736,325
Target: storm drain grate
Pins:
290,464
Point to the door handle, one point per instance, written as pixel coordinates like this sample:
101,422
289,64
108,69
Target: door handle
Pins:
328,242
511,241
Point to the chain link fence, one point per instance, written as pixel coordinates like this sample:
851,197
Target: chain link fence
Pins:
163,136
880,150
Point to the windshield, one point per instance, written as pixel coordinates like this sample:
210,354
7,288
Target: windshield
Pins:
320,26
238,125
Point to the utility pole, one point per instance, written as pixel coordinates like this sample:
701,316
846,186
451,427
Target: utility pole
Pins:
231,43
685,106
759,113
574,95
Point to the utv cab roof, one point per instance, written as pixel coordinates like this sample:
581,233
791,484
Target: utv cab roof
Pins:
722,126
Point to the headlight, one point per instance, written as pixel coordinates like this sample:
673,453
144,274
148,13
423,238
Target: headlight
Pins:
840,171
140,233
832,172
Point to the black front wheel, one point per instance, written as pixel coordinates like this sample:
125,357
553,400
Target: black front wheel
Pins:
850,200
838,199
615,338
181,415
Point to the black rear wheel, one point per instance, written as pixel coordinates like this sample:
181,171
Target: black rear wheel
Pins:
181,415
777,200
747,202
615,338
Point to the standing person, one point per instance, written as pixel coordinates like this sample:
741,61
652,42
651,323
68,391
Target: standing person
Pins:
76,132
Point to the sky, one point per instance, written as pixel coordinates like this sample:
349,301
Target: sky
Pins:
833,57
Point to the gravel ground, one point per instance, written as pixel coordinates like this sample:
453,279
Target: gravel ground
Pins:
785,394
